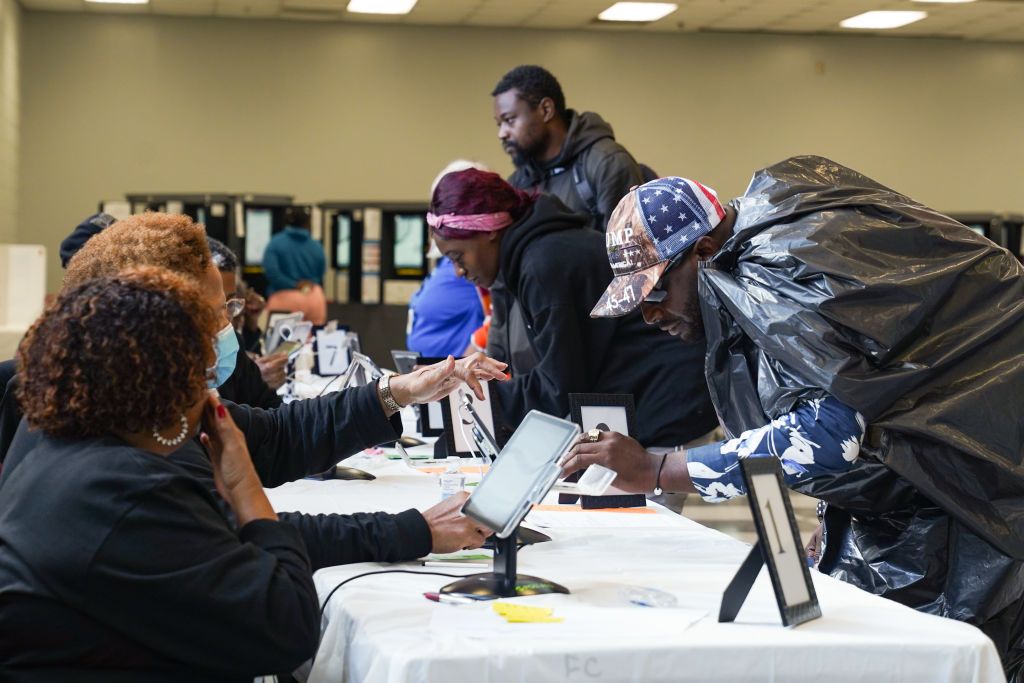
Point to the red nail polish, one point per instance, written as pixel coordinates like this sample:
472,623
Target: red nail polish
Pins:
222,412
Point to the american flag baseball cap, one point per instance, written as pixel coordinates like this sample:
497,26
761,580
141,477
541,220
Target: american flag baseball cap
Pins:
651,224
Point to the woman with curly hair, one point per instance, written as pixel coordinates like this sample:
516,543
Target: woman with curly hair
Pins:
302,437
115,562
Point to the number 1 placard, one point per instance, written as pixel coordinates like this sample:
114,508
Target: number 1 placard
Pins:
778,546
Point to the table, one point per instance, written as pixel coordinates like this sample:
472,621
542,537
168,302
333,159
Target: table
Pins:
380,629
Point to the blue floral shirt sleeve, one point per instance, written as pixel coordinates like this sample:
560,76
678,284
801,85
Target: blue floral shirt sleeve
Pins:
819,437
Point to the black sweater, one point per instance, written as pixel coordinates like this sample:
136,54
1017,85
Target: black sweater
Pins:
117,565
553,272
307,437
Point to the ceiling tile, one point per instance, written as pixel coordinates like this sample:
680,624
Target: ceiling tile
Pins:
998,20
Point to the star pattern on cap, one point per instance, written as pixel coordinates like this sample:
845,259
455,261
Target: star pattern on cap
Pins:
674,214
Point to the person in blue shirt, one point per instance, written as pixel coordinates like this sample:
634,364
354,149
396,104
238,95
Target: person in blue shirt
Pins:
294,265
443,314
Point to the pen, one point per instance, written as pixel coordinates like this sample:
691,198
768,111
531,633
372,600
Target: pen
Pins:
453,564
405,455
449,599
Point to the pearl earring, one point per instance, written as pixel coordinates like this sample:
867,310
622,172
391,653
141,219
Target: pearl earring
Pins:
176,440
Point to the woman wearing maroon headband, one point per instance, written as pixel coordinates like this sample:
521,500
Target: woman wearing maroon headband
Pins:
545,271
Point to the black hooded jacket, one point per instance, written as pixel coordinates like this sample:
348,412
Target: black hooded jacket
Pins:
607,166
553,271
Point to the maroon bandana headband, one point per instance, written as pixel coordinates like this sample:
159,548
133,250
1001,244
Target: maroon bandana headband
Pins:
479,222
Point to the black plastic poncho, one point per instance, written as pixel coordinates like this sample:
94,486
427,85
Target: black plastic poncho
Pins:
834,284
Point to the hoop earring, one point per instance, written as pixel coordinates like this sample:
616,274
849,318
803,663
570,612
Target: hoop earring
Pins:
176,440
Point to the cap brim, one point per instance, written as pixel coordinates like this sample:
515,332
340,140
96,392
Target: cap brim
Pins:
625,292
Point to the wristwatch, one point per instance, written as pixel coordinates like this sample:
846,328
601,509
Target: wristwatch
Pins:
384,388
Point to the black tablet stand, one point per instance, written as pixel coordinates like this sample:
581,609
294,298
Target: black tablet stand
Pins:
343,472
503,582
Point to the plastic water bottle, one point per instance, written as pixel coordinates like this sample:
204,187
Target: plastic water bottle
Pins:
452,479
304,364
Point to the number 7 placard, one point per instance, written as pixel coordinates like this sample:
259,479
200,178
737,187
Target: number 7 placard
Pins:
778,546
332,353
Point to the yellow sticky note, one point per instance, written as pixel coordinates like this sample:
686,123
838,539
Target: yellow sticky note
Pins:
525,614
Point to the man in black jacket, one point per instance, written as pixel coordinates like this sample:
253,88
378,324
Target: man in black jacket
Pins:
572,155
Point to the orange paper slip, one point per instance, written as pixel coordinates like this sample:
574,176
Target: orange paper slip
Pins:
577,508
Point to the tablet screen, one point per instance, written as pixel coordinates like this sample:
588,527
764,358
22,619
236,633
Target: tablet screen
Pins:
527,465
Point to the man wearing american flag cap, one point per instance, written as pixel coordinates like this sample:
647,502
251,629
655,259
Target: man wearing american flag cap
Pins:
872,345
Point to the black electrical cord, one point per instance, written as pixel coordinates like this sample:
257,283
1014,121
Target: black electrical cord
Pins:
381,571
323,606
329,383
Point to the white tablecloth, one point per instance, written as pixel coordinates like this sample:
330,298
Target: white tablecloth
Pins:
381,629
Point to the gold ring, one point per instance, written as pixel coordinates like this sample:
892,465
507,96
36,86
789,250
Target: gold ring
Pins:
593,435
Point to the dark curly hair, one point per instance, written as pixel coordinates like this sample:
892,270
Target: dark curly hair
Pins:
121,354
223,257
474,191
534,83
166,240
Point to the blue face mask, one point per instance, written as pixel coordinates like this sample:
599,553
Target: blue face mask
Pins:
226,345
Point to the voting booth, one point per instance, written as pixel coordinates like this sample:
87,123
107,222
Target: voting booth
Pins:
376,251
211,209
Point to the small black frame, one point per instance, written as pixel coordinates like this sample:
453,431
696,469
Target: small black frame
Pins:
607,412
778,546
625,416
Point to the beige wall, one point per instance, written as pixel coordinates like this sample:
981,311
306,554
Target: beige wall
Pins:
334,111
10,106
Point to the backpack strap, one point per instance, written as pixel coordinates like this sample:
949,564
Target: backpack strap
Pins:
583,187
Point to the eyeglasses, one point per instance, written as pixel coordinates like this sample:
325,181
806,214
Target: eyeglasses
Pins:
658,294
232,307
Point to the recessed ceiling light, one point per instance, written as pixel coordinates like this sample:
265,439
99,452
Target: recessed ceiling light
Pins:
121,2
381,6
944,1
637,11
879,19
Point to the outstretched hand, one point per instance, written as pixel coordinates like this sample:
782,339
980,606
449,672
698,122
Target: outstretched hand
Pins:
450,530
436,381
